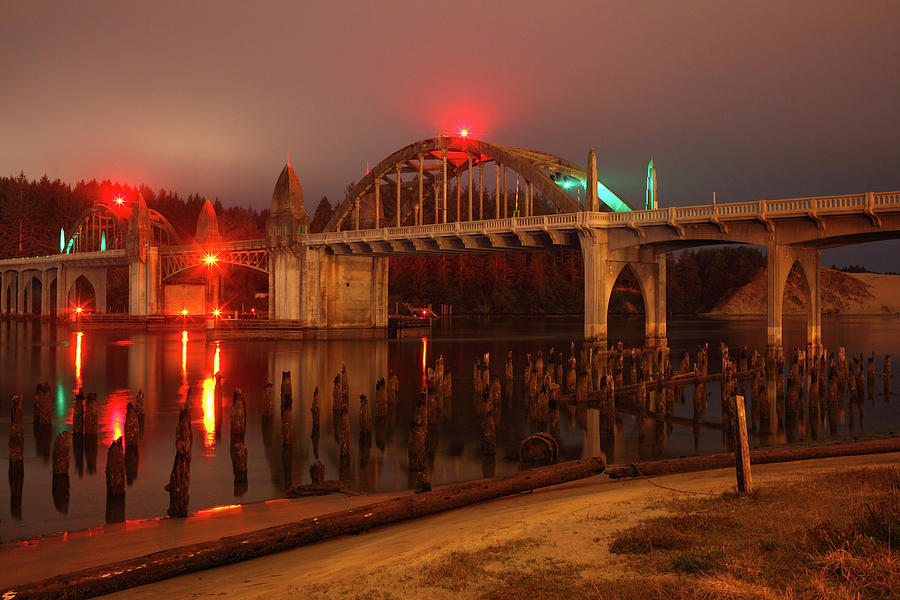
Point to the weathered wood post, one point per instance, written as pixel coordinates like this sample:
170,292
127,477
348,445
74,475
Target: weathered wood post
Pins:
344,432
267,399
886,374
831,407
132,454
139,408
870,376
742,453
365,417
416,448
16,456
78,414
115,482
238,416
62,447
317,471
16,432
287,410
180,478
488,434
345,387
553,408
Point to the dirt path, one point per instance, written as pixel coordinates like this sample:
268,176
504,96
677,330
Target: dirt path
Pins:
567,524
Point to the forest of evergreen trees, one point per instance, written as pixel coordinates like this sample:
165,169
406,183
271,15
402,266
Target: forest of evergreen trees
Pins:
32,212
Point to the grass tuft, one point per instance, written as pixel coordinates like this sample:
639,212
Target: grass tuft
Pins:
700,559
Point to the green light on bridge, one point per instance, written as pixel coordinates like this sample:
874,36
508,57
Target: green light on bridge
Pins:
102,241
605,194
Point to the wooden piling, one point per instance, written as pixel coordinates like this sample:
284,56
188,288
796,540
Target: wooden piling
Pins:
268,399
180,477
78,414
742,452
238,416
344,432
365,416
287,413
62,448
115,469
90,415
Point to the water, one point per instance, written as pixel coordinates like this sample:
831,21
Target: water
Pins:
167,365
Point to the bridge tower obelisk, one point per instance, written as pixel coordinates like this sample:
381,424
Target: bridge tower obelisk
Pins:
288,221
144,282
209,238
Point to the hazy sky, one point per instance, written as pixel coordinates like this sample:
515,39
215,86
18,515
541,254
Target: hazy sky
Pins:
748,99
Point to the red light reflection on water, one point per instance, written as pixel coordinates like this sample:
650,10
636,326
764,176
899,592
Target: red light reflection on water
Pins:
216,509
184,341
424,361
209,405
209,413
112,414
78,336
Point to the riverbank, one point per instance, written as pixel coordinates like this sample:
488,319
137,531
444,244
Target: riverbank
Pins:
545,528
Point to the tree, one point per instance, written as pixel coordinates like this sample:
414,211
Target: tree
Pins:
322,215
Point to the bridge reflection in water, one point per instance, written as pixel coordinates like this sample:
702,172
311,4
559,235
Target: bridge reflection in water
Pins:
115,365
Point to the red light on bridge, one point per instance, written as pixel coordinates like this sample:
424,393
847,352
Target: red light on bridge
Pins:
120,200
184,311
79,310
463,132
216,312
210,259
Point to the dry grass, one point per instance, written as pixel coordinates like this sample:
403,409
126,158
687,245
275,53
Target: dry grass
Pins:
831,536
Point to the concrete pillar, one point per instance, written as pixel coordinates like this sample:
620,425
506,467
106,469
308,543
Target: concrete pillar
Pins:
659,324
270,313
598,282
62,291
285,266
4,308
444,184
779,260
46,281
144,285
20,294
98,281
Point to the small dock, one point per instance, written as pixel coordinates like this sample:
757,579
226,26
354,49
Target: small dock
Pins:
401,326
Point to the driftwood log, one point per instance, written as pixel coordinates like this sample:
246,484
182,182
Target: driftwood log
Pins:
141,570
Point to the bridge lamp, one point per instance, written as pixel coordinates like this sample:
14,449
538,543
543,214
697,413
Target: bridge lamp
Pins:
216,312
184,312
463,132
79,310
210,259
120,200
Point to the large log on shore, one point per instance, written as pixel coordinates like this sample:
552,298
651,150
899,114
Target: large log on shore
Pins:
141,570
757,457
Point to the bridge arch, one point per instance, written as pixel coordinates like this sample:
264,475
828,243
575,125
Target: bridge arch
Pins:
104,227
439,160
87,289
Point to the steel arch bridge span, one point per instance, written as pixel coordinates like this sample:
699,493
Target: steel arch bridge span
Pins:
425,159
173,263
104,227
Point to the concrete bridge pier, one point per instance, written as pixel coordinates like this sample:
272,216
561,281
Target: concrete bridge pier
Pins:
780,260
47,278
144,284
20,293
602,268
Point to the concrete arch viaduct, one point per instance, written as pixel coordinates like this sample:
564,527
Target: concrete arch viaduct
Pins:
408,204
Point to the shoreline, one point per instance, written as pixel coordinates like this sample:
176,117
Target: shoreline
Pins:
157,536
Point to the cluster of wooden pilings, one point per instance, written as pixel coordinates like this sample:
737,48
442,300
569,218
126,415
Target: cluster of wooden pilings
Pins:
122,456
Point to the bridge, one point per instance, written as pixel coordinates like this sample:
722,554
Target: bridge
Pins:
409,204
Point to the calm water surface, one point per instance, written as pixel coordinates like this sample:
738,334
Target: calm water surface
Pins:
171,365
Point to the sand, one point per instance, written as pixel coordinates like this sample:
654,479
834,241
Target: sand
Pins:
572,522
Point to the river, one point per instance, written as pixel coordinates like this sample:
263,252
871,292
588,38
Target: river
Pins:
168,365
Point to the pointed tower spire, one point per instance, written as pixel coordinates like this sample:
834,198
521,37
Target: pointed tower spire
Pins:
207,225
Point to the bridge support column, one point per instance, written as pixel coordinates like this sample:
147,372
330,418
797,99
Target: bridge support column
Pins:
284,269
62,296
598,282
779,261
20,294
46,282
144,284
